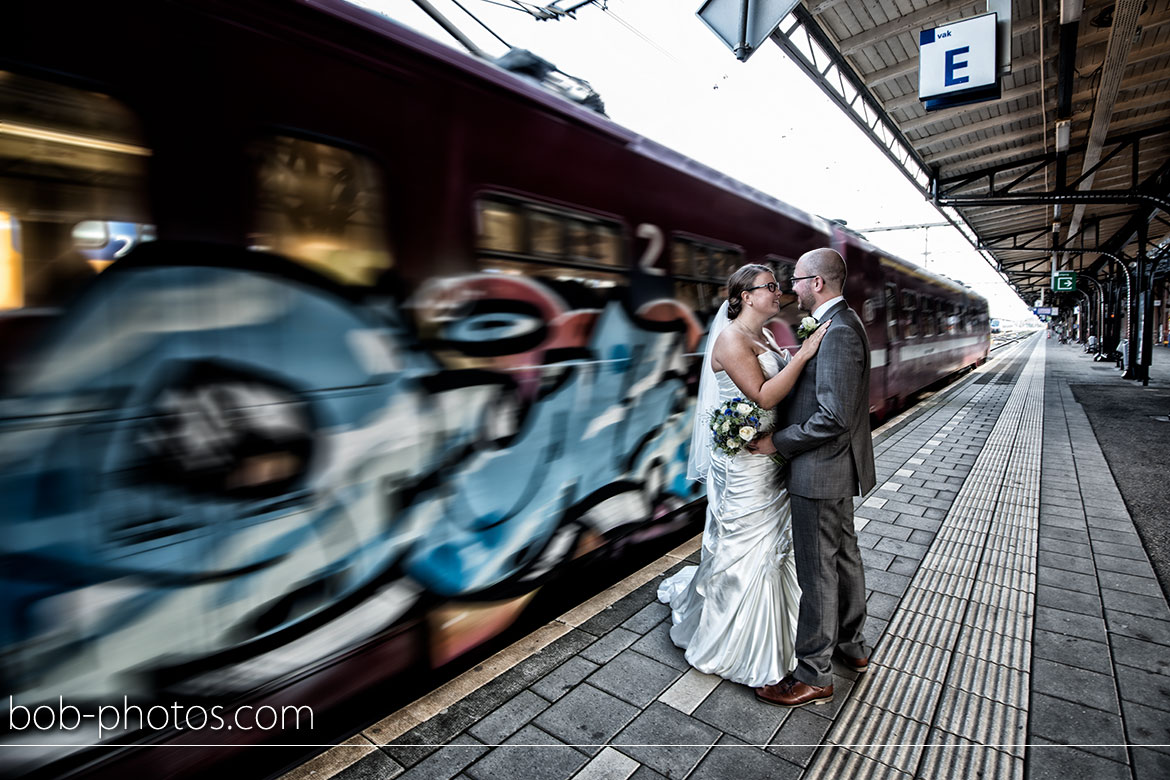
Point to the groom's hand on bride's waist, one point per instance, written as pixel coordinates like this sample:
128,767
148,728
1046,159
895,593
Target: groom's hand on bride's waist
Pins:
762,445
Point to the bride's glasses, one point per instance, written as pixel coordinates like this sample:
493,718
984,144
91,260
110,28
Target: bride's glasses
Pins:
770,286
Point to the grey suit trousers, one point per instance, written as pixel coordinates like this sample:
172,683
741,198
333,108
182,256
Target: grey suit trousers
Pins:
832,601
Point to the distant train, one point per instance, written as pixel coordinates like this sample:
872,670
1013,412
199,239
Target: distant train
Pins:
325,345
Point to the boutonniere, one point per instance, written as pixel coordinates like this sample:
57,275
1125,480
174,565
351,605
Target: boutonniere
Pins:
806,328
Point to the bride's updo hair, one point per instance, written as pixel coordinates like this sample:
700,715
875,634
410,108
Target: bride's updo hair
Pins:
738,282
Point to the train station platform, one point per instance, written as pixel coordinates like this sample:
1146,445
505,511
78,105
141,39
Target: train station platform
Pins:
1021,631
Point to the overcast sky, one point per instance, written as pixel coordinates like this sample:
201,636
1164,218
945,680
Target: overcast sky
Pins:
663,74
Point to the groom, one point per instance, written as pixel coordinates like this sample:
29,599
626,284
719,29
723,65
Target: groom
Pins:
824,437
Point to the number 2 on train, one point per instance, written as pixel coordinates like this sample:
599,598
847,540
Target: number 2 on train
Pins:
654,243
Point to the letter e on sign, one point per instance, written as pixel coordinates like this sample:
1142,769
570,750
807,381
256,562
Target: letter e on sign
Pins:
954,64
957,57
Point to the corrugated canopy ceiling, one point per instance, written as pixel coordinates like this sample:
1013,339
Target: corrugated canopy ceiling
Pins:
995,167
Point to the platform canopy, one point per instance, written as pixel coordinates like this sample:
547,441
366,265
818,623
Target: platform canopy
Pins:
1068,168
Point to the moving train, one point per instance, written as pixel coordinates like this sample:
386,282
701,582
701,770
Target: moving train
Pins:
324,346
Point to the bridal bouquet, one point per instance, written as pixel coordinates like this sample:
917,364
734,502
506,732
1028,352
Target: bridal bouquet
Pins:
736,422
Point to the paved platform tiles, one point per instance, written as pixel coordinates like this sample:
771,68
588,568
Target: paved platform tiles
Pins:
1014,613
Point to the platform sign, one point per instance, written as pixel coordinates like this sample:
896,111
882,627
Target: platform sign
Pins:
1042,311
958,63
725,18
1064,281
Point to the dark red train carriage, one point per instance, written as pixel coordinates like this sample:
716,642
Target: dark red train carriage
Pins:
327,345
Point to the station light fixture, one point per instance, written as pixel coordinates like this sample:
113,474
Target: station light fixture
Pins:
1063,134
1070,10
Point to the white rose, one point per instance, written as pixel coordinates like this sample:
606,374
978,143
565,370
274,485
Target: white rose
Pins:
732,444
747,433
809,323
723,428
743,408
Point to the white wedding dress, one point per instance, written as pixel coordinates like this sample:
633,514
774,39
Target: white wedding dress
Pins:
735,613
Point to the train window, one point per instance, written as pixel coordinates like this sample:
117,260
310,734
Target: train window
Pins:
708,261
498,227
892,313
681,261
723,263
595,242
72,189
689,293
609,244
519,231
703,298
928,319
545,234
952,318
702,261
910,305
783,268
701,270
322,207
869,309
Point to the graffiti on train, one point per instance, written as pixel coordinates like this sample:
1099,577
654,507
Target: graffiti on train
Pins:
203,460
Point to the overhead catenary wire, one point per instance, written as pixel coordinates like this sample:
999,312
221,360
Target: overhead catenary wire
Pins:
513,6
481,23
613,15
451,29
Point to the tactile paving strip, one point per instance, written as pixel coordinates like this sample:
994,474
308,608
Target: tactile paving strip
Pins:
965,620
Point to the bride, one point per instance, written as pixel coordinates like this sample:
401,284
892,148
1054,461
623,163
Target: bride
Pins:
735,613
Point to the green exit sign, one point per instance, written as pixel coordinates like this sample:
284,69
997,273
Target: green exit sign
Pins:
1064,281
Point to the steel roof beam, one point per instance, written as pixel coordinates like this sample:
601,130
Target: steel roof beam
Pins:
930,16
995,243
985,144
1147,126
1125,20
1158,183
1045,198
1013,264
1033,234
1044,161
1130,83
962,131
1007,216
824,5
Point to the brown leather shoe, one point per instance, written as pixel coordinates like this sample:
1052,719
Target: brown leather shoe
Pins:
768,693
859,665
791,692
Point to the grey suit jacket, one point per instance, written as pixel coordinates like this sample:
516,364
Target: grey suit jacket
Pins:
824,423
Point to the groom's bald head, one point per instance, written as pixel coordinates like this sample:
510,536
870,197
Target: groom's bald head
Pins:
827,264
819,277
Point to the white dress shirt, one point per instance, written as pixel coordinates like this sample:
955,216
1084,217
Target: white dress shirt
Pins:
824,307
